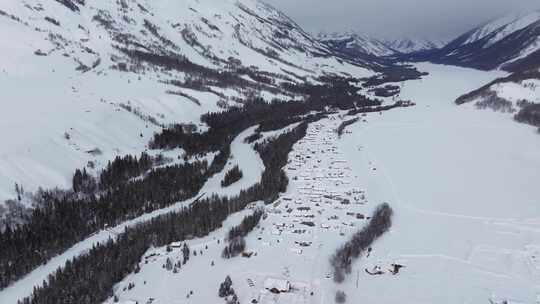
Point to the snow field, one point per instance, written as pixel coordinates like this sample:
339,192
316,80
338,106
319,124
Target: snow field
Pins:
461,184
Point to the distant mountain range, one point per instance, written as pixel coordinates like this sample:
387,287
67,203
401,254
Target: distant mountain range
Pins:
365,46
511,43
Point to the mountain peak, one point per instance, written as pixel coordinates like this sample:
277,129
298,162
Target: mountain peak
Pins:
411,45
511,42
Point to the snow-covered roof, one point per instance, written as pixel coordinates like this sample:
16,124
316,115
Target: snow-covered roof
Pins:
279,284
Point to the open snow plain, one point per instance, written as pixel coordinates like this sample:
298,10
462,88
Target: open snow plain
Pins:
462,185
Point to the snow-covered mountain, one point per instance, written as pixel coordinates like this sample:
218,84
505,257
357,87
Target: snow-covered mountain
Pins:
412,45
378,54
511,43
354,43
83,81
517,94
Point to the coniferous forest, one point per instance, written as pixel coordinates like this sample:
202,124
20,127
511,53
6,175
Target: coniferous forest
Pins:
232,176
380,223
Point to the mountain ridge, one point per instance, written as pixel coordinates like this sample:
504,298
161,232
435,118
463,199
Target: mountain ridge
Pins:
510,43
136,66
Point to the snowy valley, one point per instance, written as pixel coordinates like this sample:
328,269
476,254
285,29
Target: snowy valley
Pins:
206,151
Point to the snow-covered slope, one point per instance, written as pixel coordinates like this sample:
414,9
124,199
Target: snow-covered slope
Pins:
83,81
517,94
361,45
498,29
352,42
412,45
511,43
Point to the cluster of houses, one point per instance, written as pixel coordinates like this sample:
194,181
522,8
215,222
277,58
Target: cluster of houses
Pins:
324,198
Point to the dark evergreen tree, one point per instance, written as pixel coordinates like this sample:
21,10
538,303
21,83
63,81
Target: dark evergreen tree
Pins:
379,223
248,223
225,288
185,253
232,176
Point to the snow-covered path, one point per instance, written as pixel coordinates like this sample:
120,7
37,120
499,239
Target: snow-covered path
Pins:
251,165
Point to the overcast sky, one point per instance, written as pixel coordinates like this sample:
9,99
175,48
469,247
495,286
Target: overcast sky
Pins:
398,18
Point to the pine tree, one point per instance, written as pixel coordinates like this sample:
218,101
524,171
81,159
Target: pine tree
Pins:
225,287
185,252
168,264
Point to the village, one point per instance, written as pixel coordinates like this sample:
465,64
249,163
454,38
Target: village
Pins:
286,259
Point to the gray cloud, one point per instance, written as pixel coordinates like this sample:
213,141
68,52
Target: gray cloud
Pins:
398,18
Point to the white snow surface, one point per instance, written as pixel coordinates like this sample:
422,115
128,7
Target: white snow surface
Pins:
462,184
367,45
526,90
249,162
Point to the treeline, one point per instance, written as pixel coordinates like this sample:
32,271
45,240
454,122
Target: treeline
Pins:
234,247
63,220
246,226
223,126
276,123
117,172
274,154
380,223
122,169
334,92
374,109
386,91
232,176
529,114
90,277
346,123
392,74
235,236
82,182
